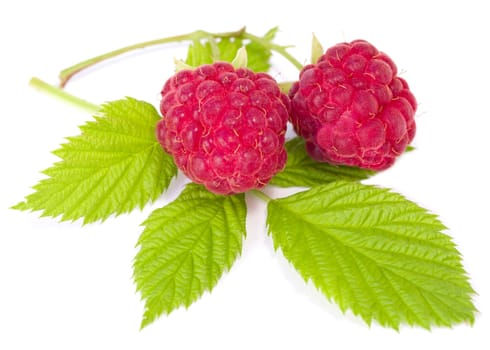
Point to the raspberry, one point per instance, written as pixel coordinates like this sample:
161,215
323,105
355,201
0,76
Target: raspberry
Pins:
224,127
352,108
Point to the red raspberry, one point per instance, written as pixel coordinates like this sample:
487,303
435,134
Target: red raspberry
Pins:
224,127
352,108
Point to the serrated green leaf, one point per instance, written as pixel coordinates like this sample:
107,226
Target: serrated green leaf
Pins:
301,170
185,248
113,167
374,252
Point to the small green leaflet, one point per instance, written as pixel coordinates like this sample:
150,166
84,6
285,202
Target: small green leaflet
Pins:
258,56
373,252
185,248
317,49
302,171
226,49
114,166
198,54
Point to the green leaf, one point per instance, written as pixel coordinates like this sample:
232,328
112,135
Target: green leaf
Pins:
410,148
211,50
317,49
114,166
185,248
259,56
228,48
303,171
199,54
374,252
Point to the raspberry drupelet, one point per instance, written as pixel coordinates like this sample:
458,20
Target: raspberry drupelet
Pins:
224,127
352,108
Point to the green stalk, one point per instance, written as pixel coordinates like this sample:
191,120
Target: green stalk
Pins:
67,73
63,95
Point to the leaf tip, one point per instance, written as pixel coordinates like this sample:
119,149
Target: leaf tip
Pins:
148,318
181,65
20,206
271,33
144,323
316,49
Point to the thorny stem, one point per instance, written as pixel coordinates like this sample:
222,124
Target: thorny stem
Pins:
261,195
63,95
66,74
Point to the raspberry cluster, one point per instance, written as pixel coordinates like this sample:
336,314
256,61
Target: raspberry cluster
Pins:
224,127
352,108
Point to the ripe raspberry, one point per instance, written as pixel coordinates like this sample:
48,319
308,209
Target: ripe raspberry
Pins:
224,127
352,108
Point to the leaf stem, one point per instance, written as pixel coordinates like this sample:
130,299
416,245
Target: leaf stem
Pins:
62,95
261,195
67,73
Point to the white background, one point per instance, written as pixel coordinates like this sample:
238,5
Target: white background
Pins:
63,286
